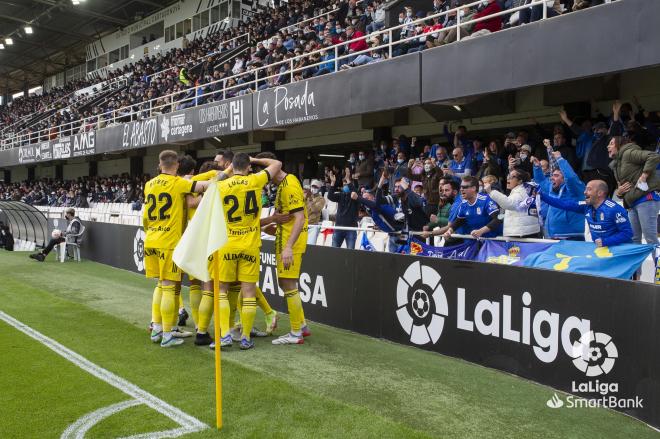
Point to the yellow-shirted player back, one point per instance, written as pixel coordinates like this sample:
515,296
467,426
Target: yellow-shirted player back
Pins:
241,202
163,213
290,199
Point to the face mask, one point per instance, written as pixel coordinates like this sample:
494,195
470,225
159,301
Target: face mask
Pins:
346,189
461,13
351,160
523,156
400,161
408,14
361,157
427,168
314,191
400,20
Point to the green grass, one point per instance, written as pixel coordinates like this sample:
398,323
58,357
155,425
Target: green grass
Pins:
338,384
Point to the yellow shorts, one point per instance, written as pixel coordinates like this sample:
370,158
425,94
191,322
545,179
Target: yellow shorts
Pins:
239,265
293,272
158,264
209,267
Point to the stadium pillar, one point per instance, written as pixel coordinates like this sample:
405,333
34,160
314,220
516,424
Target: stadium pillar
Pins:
93,169
7,176
31,173
137,166
59,172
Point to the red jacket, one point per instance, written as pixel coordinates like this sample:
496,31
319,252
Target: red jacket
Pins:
356,46
493,24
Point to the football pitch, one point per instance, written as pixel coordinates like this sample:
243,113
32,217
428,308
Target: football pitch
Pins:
76,361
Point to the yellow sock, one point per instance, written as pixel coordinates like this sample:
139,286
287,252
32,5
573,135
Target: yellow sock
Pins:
248,311
155,304
262,302
168,307
195,299
294,305
233,295
302,314
205,311
239,305
179,297
224,314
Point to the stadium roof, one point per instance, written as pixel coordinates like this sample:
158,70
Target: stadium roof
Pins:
60,32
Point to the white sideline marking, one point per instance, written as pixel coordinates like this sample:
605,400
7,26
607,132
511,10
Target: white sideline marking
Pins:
188,423
78,429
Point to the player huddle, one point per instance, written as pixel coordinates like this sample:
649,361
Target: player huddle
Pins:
170,202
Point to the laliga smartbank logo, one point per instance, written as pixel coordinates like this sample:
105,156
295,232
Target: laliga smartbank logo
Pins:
422,310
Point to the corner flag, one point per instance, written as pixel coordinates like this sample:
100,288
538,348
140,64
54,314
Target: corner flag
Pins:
205,234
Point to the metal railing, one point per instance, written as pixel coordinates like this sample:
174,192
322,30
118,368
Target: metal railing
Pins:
222,43
249,82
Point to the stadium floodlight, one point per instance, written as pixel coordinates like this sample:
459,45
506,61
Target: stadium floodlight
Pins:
75,2
457,107
28,29
9,41
332,155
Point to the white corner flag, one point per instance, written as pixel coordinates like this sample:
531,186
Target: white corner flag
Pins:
205,234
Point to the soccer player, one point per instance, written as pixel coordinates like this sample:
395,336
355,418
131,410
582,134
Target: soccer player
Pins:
163,220
290,244
240,256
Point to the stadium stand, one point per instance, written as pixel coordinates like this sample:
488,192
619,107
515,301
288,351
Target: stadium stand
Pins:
291,42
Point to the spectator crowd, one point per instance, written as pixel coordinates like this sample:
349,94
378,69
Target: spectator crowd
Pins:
166,81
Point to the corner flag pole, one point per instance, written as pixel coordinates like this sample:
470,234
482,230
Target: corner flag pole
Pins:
216,327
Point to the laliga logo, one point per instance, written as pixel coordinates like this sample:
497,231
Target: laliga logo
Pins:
594,354
421,304
138,249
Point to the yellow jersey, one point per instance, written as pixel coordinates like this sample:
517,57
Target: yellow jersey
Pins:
199,177
290,199
163,213
241,203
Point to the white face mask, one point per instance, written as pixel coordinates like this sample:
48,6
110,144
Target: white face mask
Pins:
461,13
523,156
314,191
408,14
361,157
427,168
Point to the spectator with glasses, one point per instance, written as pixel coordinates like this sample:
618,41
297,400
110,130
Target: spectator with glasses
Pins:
521,217
478,215
460,164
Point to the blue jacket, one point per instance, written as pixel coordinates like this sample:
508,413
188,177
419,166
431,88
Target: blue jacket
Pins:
559,222
382,214
609,222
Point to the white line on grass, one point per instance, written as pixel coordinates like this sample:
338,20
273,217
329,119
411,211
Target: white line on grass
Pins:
78,429
188,423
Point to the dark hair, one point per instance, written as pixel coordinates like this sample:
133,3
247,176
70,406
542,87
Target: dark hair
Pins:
208,166
454,185
473,181
226,154
241,161
187,165
266,155
522,175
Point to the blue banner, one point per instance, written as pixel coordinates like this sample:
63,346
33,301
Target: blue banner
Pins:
509,253
467,250
619,261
